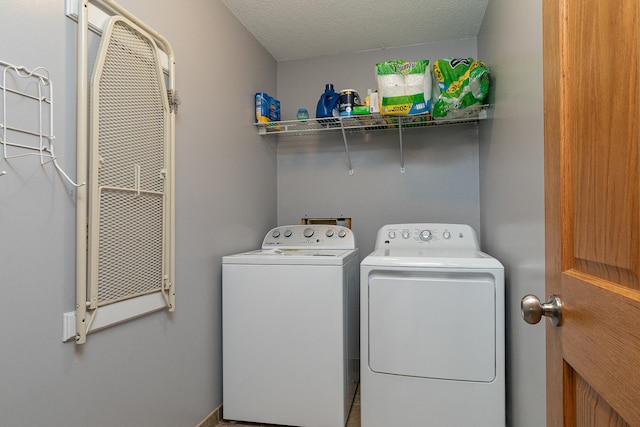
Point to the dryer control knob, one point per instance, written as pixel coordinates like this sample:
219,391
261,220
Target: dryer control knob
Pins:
287,233
406,234
275,234
329,233
392,234
425,235
308,232
342,233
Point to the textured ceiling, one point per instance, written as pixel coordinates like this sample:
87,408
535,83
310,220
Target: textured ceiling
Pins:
297,29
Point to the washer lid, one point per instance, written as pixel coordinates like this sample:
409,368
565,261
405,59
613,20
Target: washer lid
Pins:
435,258
282,256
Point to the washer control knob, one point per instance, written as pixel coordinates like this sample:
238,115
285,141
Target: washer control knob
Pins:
446,235
342,233
392,234
330,233
406,234
275,234
425,235
308,232
287,233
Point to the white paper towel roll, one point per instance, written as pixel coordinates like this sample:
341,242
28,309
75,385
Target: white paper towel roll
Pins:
391,85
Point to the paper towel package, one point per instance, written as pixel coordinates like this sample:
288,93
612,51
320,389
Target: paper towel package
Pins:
404,87
458,84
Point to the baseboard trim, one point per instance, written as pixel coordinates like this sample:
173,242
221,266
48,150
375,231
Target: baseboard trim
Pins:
212,419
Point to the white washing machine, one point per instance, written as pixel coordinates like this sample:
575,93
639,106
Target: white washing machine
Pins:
290,328
432,330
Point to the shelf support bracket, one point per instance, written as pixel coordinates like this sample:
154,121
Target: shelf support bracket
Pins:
401,150
346,147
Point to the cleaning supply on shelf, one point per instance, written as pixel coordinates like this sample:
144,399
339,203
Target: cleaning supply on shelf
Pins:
360,110
267,108
302,114
364,108
404,87
274,109
459,84
262,107
374,102
328,102
349,98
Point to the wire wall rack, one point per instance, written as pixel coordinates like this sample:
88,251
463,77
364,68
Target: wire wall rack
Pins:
26,126
368,123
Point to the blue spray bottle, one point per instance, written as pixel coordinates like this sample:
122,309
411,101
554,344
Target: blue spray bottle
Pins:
328,102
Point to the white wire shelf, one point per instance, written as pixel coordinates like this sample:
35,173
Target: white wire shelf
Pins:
366,123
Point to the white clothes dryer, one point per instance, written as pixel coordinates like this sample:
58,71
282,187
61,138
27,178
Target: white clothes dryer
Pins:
290,328
432,330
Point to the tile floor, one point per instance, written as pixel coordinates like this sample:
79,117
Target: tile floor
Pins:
353,421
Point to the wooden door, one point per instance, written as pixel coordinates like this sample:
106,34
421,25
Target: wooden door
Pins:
592,196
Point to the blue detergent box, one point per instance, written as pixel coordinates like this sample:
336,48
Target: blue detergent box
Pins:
262,107
267,108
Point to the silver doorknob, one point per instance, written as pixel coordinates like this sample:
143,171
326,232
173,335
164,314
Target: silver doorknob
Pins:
533,310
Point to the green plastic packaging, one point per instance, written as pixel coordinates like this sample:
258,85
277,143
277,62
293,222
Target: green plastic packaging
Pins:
458,83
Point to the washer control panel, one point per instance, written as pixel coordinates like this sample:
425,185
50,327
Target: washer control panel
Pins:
317,236
435,235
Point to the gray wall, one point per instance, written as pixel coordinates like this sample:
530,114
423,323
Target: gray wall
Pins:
159,370
511,189
440,183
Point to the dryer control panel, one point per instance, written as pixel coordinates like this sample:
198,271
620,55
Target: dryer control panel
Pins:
316,236
434,235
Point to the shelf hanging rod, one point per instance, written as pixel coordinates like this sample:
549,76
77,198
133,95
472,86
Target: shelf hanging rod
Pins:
346,147
401,148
